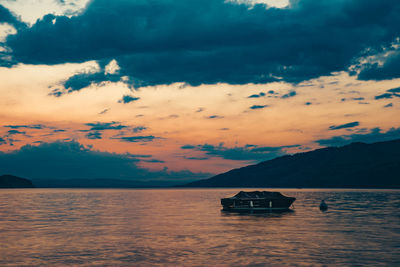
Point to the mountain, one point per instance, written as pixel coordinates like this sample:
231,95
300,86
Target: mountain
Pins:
10,181
357,165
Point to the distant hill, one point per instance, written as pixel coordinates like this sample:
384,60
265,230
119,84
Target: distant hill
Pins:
10,181
357,165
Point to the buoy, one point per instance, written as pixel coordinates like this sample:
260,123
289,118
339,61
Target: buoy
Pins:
323,206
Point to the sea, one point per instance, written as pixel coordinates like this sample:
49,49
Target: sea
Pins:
186,227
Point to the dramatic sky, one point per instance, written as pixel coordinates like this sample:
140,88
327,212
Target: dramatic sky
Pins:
183,89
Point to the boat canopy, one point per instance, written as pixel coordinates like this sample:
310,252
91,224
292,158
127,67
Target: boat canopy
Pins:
258,195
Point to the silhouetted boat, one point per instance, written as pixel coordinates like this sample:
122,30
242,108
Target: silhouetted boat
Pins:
323,206
257,201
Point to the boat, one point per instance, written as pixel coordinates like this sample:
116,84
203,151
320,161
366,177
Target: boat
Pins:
257,201
323,206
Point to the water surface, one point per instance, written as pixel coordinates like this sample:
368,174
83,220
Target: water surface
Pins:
186,227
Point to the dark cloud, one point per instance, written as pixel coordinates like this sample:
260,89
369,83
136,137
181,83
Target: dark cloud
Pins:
370,136
11,141
211,41
6,16
353,98
258,106
12,132
127,99
71,160
188,147
32,126
101,126
390,93
308,103
214,117
383,96
136,139
94,135
388,70
82,80
85,79
8,138
138,129
254,96
261,94
248,152
153,161
394,90
138,155
196,158
57,92
388,105
104,111
343,126
290,94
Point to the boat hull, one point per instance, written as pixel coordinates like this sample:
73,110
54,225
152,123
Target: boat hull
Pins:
255,209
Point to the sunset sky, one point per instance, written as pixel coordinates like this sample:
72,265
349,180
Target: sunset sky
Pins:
184,89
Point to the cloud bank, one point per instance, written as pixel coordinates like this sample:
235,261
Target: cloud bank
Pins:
370,136
71,160
344,126
214,41
248,152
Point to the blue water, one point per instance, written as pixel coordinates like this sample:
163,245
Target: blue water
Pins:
185,227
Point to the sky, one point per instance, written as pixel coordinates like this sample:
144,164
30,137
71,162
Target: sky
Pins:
182,90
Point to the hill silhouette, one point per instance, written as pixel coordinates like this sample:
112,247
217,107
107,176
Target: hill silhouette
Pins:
10,181
357,165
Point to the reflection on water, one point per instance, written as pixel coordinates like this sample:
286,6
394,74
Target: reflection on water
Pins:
187,227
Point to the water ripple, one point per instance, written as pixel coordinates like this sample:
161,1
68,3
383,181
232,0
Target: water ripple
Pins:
187,228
